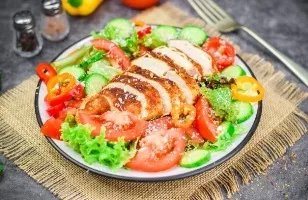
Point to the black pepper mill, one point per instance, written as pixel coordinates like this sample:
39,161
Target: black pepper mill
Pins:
27,42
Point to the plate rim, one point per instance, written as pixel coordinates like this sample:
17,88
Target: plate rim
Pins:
154,179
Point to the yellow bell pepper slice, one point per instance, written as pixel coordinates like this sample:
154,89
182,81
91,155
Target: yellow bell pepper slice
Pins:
247,89
80,7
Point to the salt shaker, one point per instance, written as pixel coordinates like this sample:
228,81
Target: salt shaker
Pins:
27,42
54,23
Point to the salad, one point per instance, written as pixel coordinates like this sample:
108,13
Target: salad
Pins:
148,98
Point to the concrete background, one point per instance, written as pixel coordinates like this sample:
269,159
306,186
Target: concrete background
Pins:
283,23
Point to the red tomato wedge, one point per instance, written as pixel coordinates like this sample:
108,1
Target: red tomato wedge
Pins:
194,135
45,71
163,123
144,31
51,128
114,52
222,52
54,110
118,124
160,151
205,123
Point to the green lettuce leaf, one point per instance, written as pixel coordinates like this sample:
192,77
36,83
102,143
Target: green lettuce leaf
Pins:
220,99
97,149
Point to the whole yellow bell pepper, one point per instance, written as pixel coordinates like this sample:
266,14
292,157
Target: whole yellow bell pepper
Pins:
80,7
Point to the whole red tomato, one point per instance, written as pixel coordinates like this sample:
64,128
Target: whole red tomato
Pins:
139,4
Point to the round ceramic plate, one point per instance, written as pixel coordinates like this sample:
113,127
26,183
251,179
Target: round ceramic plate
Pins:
124,174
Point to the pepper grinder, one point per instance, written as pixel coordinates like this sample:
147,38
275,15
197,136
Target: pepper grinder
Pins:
27,42
54,23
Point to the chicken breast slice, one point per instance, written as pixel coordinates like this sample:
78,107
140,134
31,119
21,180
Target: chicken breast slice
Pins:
162,69
180,59
123,101
164,95
195,53
154,106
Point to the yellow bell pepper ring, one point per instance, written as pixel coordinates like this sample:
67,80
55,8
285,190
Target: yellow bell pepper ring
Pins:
247,89
80,7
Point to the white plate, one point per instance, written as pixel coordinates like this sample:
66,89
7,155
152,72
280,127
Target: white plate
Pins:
171,174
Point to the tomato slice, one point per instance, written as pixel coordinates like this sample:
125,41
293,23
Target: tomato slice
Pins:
78,92
163,123
140,4
54,110
159,152
221,51
205,123
194,135
51,128
144,31
59,88
114,52
118,124
45,71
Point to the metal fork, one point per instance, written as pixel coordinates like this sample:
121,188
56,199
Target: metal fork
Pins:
215,16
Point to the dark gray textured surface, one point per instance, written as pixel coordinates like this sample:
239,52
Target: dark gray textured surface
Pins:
284,23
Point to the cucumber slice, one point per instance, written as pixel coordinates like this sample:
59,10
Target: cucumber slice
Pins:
94,83
123,27
77,72
233,72
102,68
226,129
244,110
160,36
194,34
195,158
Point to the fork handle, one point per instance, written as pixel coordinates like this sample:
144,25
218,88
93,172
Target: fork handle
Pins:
298,70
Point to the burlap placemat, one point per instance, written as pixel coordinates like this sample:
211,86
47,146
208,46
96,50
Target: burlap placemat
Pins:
281,125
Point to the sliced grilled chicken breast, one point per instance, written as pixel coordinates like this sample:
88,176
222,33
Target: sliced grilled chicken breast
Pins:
123,101
195,53
179,59
164,70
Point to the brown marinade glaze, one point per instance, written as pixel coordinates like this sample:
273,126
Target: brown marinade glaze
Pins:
122,100
155,106
189,80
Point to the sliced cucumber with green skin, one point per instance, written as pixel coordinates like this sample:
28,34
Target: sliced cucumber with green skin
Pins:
193,34
244,110
160,36
233,72
226,129
124,26
94,83
101,67
76,71
195,158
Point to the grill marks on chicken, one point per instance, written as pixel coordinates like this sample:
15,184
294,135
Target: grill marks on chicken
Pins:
155,82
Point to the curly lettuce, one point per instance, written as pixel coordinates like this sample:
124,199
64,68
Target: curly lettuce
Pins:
220,99
122,32
97,149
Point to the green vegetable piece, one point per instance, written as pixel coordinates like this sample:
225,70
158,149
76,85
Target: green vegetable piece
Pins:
112,154
94,58
194,34
122,32
71,59
76,71
94,83
160,36
227,133
220,99
195,158
233,72
75,3
104,69
244,110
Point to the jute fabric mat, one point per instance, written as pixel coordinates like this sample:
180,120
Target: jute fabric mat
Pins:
281,125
